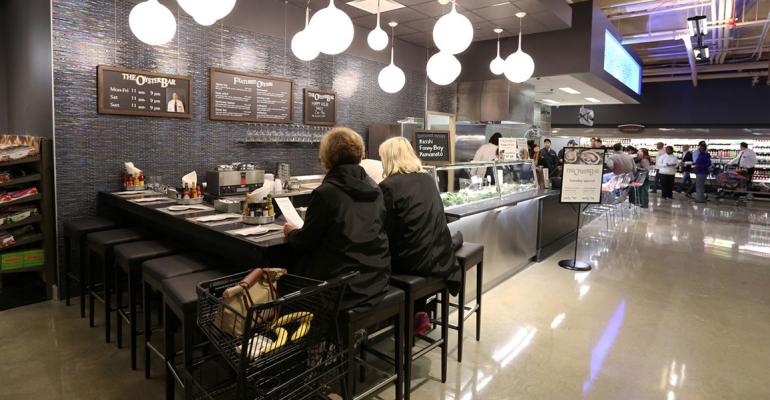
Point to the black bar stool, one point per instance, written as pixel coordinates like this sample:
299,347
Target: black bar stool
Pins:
75,232
101,256
415,288
128,259
154,272
469,255
180,310
389,310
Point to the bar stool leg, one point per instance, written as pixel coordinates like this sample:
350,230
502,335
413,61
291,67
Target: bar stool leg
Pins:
147,315
461,316
118,304
188,344
66,273
132,309
444,333
399,355
169,349
350,374
84,268
91,269
479,289
108,279
409,339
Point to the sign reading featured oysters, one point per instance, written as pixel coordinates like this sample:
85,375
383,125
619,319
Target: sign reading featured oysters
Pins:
242,96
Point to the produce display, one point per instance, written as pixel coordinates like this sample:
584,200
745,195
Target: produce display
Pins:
472,195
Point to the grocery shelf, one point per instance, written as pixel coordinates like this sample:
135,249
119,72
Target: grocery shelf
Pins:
26,221
20,161
24,240
24,179
23,269
22,200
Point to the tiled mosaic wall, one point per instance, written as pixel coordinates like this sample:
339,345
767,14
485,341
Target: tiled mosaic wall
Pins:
90,147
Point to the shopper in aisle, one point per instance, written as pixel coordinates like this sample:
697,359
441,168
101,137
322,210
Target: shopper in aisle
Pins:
619,162
420,241
687,162
643,162
660,146
695,154
666,164
570,145
642,169
344,228
487,152
548,157
596,143
746,161
702,166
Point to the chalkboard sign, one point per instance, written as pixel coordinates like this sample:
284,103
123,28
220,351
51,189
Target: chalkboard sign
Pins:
432,146
320,108
124,91
241,96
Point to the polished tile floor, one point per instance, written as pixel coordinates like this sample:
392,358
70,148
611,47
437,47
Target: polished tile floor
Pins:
676,307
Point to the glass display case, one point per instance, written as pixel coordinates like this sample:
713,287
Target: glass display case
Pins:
472,182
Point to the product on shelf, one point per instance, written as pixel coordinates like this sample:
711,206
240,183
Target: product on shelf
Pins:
6,197
16,147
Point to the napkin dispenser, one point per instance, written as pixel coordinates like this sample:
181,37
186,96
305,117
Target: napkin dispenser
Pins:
226,183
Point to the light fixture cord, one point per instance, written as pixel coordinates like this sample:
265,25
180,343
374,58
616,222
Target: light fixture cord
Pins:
498,45
285,35
378,13
115,43
520,33
392,42
307,14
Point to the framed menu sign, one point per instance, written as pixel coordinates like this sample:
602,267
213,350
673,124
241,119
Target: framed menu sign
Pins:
242,96
432,146
320,108
582,175
124,91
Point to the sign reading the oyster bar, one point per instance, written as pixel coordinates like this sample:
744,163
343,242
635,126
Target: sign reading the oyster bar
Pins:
242,96
320,108
582,175
432,146
124,91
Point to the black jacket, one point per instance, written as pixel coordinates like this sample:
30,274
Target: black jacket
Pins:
344,232
420,242
687,157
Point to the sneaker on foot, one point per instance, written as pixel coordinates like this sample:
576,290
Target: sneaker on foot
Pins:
421,323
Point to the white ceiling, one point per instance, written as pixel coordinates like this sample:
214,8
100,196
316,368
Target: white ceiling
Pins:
547,87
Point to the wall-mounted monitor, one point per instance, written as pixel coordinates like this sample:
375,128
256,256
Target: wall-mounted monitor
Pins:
620,64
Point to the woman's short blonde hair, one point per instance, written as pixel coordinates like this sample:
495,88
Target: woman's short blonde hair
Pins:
341,146
398,157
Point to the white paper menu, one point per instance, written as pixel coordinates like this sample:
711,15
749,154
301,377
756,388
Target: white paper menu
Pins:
289,212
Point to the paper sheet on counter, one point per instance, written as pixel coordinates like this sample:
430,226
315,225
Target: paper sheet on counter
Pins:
289,212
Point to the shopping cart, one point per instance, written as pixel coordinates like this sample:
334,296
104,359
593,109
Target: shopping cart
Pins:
291,356
731,184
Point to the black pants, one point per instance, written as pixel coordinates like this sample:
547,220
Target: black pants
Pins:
667,182
749,174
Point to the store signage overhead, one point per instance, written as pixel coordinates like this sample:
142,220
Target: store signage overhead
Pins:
246,97
582,175
586,116
432,146
620,64
124,91
319,108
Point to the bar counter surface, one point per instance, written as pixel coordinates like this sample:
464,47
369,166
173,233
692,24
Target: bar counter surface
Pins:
213,238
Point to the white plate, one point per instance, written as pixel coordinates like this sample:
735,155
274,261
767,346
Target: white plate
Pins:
218,217
150,199
185,208
257,230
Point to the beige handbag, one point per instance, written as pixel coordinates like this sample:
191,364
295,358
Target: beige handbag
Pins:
258,287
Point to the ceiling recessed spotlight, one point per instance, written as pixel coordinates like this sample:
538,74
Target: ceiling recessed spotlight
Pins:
554,131
551,102
500,4
569,90
593,100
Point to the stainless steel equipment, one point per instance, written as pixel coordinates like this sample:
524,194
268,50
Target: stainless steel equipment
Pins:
234,179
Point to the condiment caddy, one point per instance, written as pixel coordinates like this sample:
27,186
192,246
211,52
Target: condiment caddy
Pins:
258,212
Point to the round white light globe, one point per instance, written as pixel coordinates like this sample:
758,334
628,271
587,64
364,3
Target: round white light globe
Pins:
377,39
152,23
497,66
453,32
223,7
519,67
332,29
303,46
443,68
391,79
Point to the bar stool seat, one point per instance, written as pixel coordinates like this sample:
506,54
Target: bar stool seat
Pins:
390,309
100,247
469,255
129,257
415,288
154,272
180,310
75,232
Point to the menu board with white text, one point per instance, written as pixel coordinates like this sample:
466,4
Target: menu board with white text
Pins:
124,91
242,96
582,175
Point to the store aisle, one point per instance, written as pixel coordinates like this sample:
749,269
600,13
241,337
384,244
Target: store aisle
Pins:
677,307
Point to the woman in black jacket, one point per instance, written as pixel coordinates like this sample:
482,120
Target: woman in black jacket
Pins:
344,224
420,242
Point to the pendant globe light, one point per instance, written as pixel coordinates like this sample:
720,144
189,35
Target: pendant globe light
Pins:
497,66
303,44
377,38
152,23
333,30
453,32
443,68
519,66
207,12
391,78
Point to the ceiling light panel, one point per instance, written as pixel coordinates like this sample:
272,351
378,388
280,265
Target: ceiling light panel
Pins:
569,90
371,5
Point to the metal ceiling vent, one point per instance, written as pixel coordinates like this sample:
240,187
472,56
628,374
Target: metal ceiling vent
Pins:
371,5
631,128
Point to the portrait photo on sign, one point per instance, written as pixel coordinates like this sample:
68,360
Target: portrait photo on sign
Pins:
176,100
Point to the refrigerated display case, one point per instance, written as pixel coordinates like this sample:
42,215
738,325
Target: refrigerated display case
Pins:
463,184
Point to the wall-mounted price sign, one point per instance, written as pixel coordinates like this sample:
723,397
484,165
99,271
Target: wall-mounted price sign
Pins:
124,91
320,108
